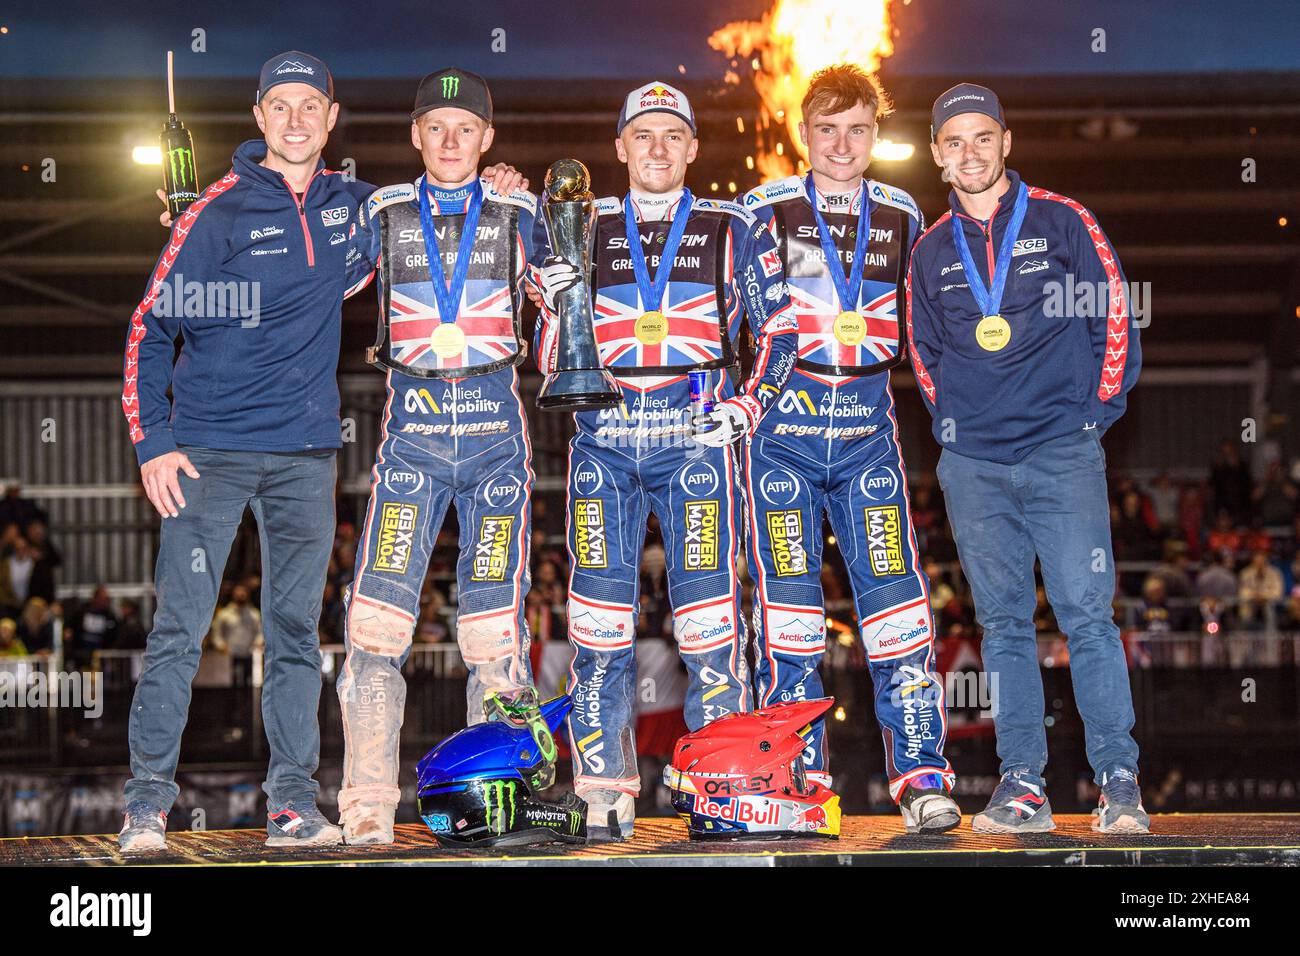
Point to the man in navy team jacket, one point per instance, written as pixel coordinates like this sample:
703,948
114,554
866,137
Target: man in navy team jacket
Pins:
253,275
1024,350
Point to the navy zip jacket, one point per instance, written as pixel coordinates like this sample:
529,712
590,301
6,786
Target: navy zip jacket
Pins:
1073,351
254,279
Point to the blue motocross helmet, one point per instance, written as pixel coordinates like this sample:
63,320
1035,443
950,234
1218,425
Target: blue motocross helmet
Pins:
479,787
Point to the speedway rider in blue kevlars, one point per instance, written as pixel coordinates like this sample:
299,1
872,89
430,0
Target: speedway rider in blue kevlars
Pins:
451,254
672,274
831,445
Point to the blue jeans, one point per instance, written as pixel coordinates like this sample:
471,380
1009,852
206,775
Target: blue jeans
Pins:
292,497
1052,503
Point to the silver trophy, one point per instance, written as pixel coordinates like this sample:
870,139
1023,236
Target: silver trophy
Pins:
579,380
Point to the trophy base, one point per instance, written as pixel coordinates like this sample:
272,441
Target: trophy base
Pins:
579,388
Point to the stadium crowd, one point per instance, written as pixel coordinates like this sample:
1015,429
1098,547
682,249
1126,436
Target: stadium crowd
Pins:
1208,556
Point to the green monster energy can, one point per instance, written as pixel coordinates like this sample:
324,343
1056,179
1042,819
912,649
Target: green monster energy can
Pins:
180,181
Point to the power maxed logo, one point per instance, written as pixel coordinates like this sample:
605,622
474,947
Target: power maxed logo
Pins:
493,548
884,540
396,537
589,533
785,532
700,552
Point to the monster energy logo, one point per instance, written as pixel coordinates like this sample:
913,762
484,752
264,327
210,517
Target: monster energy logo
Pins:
496,794
182,161
450,86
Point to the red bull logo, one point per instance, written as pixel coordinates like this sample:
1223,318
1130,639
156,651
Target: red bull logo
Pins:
814,818
749,813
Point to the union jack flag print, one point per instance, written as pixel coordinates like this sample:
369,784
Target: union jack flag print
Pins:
486,317
816,305
691,309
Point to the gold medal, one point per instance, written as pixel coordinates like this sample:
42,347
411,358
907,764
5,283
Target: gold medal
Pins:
992,333
850,328
651,328
448,340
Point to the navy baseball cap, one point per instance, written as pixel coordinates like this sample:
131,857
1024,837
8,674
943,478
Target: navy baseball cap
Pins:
295,67
656,98
965,98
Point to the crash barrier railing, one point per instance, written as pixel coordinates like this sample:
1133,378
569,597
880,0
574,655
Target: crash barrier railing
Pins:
1183,649
1230,613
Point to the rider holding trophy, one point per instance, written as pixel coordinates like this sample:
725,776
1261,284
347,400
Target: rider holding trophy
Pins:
669,275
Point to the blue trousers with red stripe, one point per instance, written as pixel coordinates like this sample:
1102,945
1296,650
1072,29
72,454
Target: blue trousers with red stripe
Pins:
463,441
795,474
695,493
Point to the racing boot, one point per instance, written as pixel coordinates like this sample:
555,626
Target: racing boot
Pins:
611,815
926,806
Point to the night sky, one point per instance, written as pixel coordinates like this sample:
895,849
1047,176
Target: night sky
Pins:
558,38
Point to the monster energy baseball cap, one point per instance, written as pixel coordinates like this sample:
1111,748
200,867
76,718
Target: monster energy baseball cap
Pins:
453,87
295,67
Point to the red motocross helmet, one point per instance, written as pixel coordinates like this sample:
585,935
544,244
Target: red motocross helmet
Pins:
742,776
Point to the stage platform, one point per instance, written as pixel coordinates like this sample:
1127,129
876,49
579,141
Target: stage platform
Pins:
1176,839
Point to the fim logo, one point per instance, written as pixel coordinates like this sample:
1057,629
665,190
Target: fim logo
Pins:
396,537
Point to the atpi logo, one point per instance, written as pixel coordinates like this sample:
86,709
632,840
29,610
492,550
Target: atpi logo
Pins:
879,484
587,478
778,487
400,481
699,479
501,491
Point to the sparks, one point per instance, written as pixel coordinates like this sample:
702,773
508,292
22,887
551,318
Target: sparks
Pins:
791,43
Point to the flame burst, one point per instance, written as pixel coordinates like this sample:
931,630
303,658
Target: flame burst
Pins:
790,44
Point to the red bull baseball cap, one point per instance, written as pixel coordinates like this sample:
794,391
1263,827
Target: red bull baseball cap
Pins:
656,97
